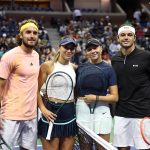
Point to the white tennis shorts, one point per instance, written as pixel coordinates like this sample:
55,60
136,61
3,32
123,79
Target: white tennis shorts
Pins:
100,122
22,133
127,133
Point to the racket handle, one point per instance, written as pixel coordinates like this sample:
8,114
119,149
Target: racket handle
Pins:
48,137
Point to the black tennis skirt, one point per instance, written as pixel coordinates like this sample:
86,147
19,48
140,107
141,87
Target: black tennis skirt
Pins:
65,123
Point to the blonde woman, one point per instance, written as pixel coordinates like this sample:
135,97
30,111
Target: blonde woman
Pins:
64,128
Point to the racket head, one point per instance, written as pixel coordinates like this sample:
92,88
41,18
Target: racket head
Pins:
89,74
59,84
145,129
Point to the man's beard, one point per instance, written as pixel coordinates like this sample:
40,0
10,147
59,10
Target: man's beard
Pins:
29,46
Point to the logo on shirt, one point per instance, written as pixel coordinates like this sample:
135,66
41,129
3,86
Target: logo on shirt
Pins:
135,65
104,113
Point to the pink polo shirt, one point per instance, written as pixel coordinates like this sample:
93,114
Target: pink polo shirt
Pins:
19,97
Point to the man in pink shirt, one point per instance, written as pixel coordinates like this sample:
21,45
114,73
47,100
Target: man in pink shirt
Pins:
19,69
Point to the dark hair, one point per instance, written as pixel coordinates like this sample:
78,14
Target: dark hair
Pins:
127,23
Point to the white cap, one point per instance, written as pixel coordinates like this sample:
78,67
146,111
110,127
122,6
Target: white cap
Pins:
125,28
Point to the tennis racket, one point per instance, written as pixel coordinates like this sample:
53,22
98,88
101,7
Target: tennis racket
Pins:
61,83
145,129
88,74
3,142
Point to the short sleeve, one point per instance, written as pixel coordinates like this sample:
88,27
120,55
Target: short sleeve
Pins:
6,66
112,77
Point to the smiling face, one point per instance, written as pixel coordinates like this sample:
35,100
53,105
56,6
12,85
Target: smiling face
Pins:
29,37
127,39
66,52
94,53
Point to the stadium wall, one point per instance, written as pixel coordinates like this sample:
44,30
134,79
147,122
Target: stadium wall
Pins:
117,17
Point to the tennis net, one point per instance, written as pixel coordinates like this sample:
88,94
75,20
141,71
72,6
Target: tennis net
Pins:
88,140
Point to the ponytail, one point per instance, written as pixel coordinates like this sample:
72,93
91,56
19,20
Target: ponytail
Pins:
55,59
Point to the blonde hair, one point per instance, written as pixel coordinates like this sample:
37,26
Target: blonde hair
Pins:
56,57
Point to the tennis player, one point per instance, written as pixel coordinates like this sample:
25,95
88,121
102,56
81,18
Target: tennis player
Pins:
90,89
19,69
64,128
132,67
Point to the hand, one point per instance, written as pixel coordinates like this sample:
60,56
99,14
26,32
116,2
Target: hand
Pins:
89,98
50,116
45,96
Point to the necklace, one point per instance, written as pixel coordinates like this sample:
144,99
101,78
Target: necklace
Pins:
31,64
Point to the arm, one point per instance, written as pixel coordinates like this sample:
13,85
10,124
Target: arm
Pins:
2,85
44,71
111,97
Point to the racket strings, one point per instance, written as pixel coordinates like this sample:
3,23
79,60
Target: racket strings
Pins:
89,84
59,85
92,80
93,75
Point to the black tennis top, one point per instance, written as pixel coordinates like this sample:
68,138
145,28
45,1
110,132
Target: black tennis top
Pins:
94,78
133,75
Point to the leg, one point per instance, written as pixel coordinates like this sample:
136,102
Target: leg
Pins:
67,143
53,144
85,142
106,137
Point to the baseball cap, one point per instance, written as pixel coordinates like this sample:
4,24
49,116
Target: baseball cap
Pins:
66,41
93,41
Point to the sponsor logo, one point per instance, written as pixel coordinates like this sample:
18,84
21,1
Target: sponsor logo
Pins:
135,65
